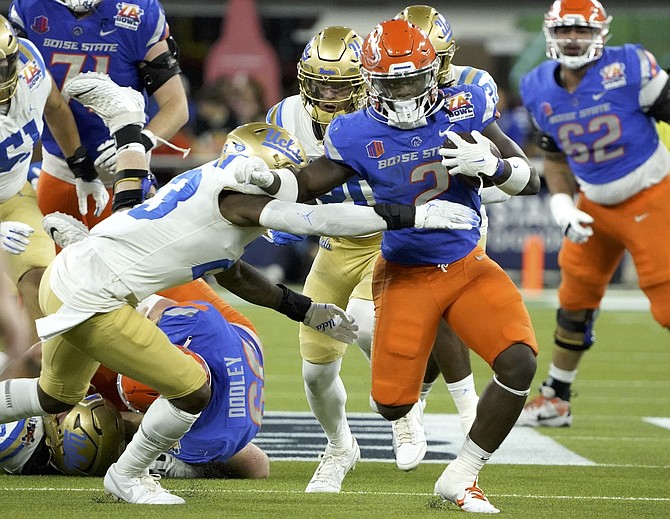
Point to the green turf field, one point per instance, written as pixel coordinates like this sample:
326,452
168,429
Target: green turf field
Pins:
625,378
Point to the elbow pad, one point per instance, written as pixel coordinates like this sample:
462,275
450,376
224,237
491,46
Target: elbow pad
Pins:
158,71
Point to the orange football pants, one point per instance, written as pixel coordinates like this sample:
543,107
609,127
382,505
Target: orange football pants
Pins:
474,295
54,194
640,225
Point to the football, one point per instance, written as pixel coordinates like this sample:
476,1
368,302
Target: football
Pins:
467,137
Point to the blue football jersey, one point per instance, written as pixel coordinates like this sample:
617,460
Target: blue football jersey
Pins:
113,39
235,359
404,166
600,127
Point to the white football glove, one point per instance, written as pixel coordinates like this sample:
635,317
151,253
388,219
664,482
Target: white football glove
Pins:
333,321
471,159
441,214
14,236
574,223
107,158
253,170
97,190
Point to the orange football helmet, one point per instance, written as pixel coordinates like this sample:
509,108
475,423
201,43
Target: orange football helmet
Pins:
574,53
138,397
399,65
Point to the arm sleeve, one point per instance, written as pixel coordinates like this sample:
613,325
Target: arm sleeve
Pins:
321,220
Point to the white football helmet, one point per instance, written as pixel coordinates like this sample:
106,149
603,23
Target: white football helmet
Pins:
80,6
574,53
399,65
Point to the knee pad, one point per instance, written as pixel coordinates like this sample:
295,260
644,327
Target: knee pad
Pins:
584,327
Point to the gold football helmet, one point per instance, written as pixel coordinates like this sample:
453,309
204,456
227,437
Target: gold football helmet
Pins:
88,439
329,75
9,59
272,143
439,33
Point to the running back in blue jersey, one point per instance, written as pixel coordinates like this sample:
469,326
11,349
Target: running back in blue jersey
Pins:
600,127
403,166
113,39
235,359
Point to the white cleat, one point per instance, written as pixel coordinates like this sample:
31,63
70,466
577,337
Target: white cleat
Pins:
140,490
64,229
409,438
335,463
469,498
117,106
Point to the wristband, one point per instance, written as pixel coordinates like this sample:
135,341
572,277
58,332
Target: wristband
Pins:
81,165
396,216
293,305
518,178
288,188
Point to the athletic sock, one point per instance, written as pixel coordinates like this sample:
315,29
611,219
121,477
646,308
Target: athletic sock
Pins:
162,426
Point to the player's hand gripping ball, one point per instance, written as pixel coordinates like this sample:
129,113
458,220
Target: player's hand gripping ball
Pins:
469,180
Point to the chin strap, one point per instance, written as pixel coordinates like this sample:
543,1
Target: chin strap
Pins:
155,139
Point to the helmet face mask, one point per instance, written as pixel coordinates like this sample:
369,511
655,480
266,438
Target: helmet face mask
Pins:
576,32
9,59
329,74
80,6
86,440
439,32
400,68
272,143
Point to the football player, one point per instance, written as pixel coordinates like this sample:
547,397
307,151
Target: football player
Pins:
421,277
129,41
198,223
27,94
88,439
450,355
607,152
219,443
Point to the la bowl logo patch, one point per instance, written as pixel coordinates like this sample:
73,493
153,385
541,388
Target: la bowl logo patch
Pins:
375,149
614,75
460,106
40,24
128,16
31,74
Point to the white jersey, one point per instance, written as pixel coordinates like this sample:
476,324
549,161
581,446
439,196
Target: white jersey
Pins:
21,128
291,115
175,237
465,75
18,442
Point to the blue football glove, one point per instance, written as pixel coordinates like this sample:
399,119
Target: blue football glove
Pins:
149,185
282,238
